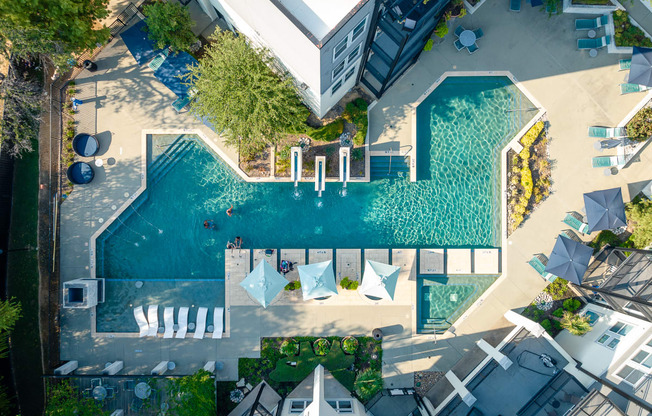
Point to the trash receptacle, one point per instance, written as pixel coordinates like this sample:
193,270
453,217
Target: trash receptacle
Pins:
90,65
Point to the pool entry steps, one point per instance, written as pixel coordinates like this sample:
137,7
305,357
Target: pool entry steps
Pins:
382,167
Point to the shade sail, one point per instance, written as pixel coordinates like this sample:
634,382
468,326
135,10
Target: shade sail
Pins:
264,283
317,280
640,71
569,259
138,42
379,280
605,210
172,69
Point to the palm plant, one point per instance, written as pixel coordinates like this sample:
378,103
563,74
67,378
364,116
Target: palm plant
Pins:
368,384
575,324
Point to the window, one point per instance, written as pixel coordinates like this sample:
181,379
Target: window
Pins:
341,406
611,338
353,54
348,40
349,73
340,48
359,29
336,86
638,366
339,69
297,406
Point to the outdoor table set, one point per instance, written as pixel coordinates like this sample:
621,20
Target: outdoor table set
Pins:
467,39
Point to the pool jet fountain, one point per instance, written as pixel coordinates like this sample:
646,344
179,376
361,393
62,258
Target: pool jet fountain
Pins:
296,159
345,168
320,174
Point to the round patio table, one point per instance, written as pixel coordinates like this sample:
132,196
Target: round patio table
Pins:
142,390
467,38
591,34
593,53
99,393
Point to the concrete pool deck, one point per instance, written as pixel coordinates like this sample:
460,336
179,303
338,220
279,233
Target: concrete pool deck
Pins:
122,99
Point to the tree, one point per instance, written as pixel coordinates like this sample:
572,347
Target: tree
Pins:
52,29
639,214
193,395
575,324
237,91
368,384
22,106
63,400
169,24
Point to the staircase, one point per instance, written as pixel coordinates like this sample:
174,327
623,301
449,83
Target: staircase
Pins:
434,325
166,160
393,167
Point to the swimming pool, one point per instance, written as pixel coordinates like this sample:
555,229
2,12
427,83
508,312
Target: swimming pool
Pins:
461,129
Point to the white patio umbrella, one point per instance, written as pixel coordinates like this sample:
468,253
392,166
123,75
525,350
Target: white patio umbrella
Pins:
379,280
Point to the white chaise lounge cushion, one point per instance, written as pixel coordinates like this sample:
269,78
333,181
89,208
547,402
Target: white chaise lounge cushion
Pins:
218,323
183,322
201,323
139,314
152,317
168,318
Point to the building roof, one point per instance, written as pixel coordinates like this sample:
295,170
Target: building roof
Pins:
268,399
319,16
333,389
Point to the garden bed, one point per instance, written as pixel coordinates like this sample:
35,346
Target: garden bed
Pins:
626,34
548,306
528,176
639,128
258,167
284,370
68,120
592,2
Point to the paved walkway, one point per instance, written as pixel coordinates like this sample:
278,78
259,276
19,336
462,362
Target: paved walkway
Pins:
122,99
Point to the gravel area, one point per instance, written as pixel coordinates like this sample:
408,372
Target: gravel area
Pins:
424,380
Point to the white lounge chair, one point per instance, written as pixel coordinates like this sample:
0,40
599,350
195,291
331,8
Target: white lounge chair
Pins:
152,317
218,323
139,314
168,318
201,323
183,322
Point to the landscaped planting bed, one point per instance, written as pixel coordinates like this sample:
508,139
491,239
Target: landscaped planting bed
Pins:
626,34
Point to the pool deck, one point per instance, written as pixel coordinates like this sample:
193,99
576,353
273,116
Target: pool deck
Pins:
121,99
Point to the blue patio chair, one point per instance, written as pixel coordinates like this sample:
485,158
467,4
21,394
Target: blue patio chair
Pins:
458,45
576,222
180,103
593,43
473,48
625,64
110,392
538,263
158,60
515,6
136,404
607,132
129,385
478,33
570,234
630,88
459,30
96,382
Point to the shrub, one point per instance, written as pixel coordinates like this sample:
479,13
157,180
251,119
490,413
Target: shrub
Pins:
441,29
428,46
293,285
357,154
289,347
572,305
575,324
547,325
557,289
285,152
356,113
558,313
639,214
329,132
70,133
368,383
626,34
321,346
640,126
603,238
349,284
349,345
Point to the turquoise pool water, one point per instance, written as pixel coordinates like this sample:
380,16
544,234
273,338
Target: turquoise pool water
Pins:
442,300
461,129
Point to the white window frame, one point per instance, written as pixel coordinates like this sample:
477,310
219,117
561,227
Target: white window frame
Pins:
342,79
346,62
336,86
335,404
348,74
647,347
613,335
338,70
348,39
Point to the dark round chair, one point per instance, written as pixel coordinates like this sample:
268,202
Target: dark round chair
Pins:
85,145
80,173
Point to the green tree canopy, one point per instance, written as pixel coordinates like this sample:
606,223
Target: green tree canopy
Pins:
10,312
575,324
169,24
237,91
54,29
63,400
193,395
639,213
368,384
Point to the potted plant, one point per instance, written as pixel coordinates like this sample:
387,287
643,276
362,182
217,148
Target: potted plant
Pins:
349,345
289,347
321,346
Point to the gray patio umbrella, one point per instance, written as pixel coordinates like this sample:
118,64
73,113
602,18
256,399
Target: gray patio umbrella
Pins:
605,209
264,283
569,259
640,71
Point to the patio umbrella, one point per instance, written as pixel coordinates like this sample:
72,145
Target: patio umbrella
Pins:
605,210
317,280
640,72
264,283
379,280
569,259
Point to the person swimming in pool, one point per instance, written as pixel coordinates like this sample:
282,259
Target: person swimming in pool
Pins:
229,211
238,242
209,224
230,245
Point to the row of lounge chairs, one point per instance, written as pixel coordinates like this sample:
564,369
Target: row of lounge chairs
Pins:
148,326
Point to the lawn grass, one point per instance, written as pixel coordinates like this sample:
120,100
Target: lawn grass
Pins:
335,361
22,283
